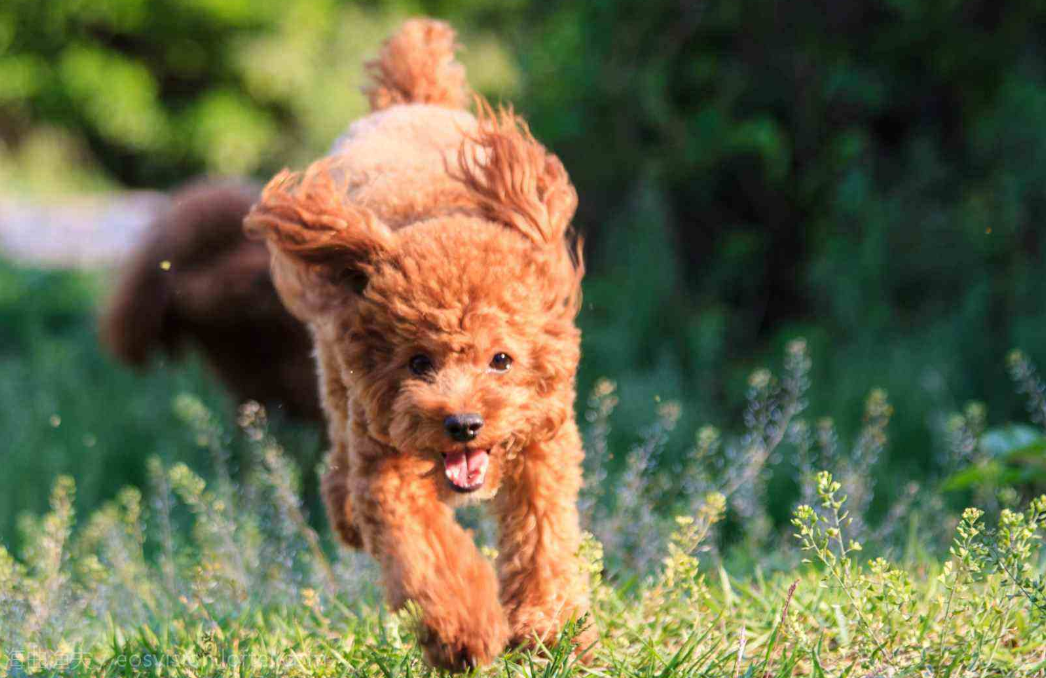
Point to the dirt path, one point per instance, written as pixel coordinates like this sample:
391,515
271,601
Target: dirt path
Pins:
75,231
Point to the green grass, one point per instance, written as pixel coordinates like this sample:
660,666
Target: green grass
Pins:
229,579
66,407
214,561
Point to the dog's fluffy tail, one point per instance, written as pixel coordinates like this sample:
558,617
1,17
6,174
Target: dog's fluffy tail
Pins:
417,66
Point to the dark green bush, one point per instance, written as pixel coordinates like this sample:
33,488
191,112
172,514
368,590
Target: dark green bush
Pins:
868,175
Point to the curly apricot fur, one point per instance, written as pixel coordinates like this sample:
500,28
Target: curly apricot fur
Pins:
432,231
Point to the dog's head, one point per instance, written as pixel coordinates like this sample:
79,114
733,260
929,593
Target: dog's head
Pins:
455,335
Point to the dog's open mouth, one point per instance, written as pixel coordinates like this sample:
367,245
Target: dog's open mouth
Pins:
466,469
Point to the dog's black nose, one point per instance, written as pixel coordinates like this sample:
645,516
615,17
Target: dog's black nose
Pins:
463,427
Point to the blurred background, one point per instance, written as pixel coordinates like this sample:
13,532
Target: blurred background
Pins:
870,176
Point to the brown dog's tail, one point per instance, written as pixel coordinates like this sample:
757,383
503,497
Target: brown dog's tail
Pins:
417,66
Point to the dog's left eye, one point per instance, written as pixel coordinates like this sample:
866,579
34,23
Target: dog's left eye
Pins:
501,362
420,364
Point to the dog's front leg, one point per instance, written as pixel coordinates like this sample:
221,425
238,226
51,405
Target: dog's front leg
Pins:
426,557
542,583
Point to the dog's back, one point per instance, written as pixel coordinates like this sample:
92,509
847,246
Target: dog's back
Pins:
395,160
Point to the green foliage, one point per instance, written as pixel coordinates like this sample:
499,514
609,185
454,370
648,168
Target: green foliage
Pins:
67,408
207,573
1000,461
155,92
751,171
247,589
985,582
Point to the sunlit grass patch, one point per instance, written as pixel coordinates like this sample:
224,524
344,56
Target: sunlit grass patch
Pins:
228,578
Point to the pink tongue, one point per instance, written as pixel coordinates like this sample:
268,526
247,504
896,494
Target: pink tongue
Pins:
467,468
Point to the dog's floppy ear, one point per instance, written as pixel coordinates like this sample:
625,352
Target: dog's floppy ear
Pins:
324,246
517,181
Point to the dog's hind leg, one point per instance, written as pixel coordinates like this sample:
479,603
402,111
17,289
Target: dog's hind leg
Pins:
335,483
337,497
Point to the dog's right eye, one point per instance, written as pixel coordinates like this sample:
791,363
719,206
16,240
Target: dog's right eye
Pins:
420,364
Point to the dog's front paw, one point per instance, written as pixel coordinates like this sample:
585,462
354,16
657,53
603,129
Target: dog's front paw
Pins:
533,628
470,641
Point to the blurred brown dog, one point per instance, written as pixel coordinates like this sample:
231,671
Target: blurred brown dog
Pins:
198,281
431,256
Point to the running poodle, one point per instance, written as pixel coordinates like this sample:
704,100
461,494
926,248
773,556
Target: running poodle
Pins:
432,258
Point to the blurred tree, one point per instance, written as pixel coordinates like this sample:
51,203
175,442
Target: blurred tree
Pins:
154,92
866,174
